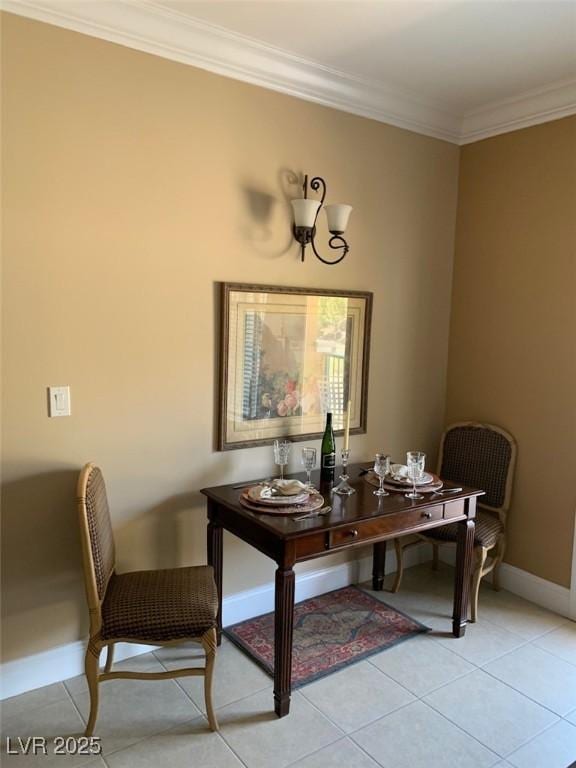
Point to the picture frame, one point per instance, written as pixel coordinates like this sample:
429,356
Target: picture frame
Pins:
287,357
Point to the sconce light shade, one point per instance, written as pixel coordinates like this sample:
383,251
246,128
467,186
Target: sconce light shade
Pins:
305,212
338,215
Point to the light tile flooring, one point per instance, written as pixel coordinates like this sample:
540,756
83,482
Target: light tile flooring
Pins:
505,695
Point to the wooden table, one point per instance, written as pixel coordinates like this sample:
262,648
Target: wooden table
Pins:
355,521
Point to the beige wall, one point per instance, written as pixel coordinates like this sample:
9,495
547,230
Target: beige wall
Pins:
129,187
513,326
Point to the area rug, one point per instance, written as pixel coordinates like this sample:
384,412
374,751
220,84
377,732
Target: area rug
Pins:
331,631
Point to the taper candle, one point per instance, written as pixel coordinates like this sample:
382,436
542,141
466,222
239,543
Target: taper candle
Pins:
346,445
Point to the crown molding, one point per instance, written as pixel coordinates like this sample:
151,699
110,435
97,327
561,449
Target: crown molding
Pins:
530,108
156,30
145,26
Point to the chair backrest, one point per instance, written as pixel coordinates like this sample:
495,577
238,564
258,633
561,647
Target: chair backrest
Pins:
481,456
97,539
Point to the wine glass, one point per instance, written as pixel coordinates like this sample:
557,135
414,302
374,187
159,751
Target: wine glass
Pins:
415,462
309,462
281,453
381,468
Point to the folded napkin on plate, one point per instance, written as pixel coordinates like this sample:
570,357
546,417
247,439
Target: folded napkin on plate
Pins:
288,487
399,472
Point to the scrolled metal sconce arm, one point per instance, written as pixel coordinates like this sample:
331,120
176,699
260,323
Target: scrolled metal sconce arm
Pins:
306,234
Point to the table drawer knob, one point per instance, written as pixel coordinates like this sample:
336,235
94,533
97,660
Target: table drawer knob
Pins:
352,533
427,515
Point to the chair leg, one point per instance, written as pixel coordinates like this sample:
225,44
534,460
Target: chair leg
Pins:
481,553
209,641
435,548
497,562
109,658
399,565
92,669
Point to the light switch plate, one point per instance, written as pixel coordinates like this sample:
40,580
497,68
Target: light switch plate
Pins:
58,401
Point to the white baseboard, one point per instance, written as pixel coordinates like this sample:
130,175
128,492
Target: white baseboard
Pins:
53,666
545,593
524,584
67,661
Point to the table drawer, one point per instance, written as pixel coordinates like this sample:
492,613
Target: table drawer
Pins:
454,508
399,522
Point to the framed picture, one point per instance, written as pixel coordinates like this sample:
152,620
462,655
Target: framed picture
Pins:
288,356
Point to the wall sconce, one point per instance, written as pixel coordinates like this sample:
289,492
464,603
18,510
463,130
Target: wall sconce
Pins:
306,214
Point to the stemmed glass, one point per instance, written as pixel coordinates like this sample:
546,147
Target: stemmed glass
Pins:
309,462
381,468
415,462
281,453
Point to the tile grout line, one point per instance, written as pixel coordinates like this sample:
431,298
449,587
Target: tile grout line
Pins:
421,699
298,692
232,750
364,725
525,695
533,738
470,735
554,655
37,707
203,714
502,757
219,733
433,690
315,752
76,707
346,737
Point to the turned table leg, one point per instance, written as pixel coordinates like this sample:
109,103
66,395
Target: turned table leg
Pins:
464,557
283,627
378,566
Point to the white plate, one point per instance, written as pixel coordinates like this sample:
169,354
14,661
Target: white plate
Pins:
399,474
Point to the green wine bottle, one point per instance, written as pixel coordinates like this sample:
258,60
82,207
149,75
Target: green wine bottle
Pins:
328,452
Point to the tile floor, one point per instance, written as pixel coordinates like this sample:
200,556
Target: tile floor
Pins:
505,695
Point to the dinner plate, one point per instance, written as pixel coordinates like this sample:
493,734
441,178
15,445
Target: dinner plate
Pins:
315,501
430,487
399,474
261,494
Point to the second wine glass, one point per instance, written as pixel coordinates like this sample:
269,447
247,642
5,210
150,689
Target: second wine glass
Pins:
415,462
281,453
381,468
309,462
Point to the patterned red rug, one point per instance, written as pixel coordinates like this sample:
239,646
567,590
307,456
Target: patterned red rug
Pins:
330,632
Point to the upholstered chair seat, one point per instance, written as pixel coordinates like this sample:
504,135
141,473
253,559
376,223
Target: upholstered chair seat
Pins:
164,605
488,530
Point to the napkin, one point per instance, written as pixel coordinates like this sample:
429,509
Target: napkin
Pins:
399,472
288,487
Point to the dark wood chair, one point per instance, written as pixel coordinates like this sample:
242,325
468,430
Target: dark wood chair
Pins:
160,607
480,456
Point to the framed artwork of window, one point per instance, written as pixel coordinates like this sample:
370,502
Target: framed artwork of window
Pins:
287,357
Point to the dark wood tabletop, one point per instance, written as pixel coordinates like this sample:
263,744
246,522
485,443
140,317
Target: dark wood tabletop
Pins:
362,505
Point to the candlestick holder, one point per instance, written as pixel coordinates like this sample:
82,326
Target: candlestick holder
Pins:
343,488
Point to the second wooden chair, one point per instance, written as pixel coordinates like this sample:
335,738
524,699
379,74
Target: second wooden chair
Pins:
479,456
